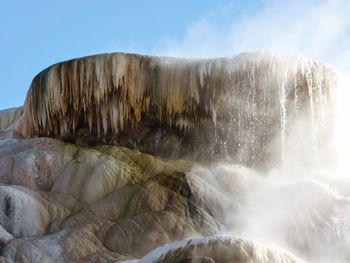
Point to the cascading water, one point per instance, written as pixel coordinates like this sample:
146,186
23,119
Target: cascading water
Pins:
269,117
298,207
300,91
283,111
305,206
211,109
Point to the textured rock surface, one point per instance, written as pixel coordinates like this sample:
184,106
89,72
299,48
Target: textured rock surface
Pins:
196,109
9,116
92,201
64,203
219,249
61,202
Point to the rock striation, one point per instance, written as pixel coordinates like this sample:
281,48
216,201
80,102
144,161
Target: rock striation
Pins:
181,108
9,116
110,160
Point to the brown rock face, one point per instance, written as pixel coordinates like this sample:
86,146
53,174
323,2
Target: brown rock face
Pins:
193,109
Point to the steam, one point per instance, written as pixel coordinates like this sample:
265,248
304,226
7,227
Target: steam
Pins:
342,129
305,206
307,214
317,29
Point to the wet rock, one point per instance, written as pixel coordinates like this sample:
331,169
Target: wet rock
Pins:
219,249
181,108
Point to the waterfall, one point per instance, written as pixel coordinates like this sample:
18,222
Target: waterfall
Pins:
257,130
283,112
231,108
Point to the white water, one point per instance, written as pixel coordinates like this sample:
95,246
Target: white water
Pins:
254,252
305,206
302,203
307,214
283,112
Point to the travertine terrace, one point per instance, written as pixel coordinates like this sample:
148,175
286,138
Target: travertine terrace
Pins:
181,108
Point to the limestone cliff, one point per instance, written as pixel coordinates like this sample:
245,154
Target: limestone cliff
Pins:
170,107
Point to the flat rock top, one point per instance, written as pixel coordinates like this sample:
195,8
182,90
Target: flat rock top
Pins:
199,110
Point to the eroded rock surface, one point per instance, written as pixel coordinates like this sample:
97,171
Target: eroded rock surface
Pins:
219,249
65,203
9,116
70,191
182,108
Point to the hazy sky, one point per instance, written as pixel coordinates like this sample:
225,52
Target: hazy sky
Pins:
38,33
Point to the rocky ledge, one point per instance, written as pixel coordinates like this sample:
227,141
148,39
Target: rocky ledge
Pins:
238,108
111,160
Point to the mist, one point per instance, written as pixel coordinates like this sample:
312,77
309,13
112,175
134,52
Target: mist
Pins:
230,144
301,204
316,29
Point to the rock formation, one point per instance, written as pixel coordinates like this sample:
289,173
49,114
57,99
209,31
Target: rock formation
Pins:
60,202
90,168
219,249
193,109
9,117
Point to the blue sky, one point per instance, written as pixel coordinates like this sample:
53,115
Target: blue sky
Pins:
38,33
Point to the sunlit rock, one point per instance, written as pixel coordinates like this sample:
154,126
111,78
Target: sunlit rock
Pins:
23,213
79,203
170,107
219,249
100,165
9,116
